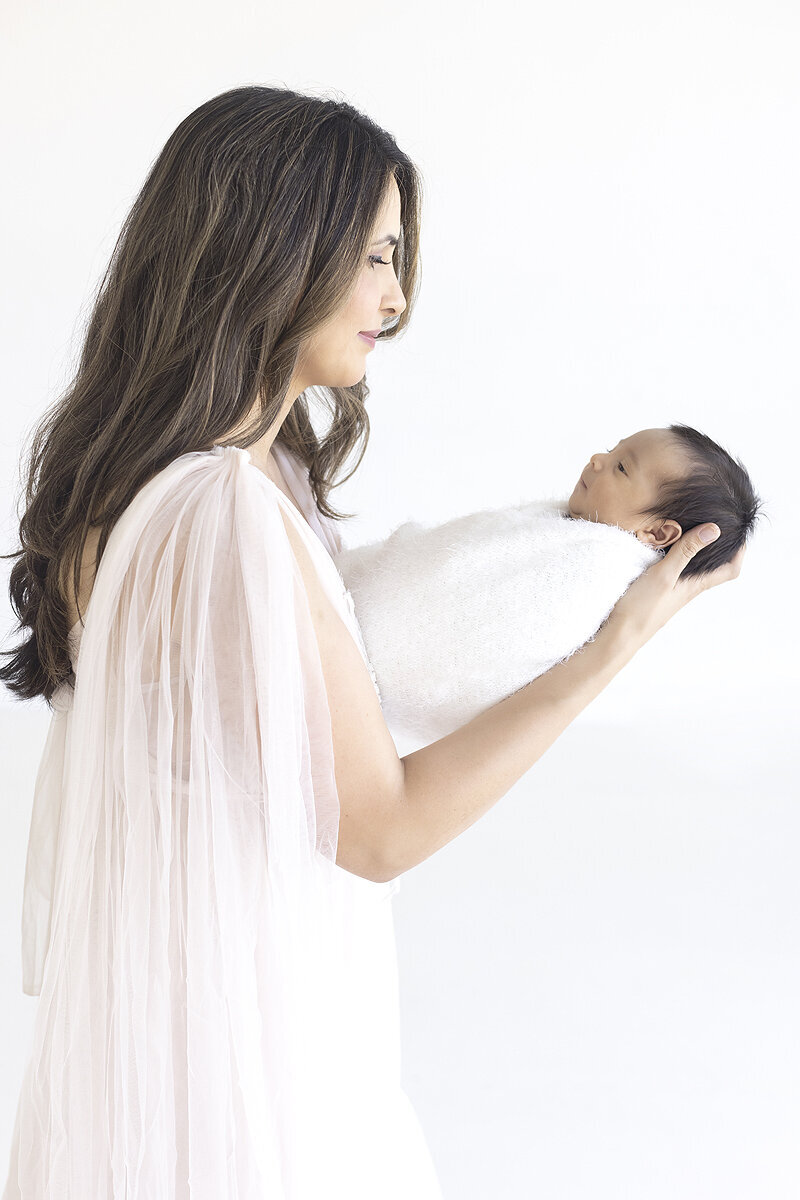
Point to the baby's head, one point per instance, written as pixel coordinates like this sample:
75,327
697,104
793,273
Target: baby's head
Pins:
658,483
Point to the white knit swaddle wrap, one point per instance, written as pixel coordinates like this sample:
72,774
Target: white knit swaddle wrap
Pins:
458,616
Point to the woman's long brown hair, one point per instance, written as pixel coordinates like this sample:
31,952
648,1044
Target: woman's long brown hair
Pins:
248,233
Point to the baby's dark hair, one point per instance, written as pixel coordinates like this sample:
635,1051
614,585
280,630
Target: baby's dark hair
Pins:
716,489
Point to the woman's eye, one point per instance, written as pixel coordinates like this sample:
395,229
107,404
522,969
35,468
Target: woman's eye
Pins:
619,464
376,258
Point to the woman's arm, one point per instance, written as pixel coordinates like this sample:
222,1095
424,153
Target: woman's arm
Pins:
449,784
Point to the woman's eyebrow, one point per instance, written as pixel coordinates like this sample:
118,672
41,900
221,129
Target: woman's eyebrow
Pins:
389,240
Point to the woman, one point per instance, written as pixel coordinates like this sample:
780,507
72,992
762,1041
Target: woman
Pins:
220,812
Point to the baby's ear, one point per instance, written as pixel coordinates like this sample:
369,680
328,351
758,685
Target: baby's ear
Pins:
660,533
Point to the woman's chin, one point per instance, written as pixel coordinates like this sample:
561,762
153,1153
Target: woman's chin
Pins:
347,379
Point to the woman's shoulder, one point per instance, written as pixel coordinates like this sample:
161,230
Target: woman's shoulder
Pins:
172,493
203,495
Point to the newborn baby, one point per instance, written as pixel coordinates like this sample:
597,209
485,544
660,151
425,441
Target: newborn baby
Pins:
658,483
458,616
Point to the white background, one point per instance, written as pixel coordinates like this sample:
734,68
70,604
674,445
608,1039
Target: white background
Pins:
599,978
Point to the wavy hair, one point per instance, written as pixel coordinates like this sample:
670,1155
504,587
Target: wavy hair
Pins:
248,233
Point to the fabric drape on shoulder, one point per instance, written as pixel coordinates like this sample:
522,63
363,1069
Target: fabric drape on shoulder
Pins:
218,1011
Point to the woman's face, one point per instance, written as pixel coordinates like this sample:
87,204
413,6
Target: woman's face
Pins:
336,354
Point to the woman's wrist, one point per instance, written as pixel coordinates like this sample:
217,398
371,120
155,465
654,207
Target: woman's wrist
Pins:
622,634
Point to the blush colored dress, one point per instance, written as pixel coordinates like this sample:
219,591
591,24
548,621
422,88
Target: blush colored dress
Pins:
218,1013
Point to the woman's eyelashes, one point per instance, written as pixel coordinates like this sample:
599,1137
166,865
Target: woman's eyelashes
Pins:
376,258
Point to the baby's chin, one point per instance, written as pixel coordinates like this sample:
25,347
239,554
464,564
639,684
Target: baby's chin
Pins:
573,512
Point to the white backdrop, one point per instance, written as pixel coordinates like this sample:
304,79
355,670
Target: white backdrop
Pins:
599,978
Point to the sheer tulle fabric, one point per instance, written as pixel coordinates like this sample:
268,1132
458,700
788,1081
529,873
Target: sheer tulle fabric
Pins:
218,1011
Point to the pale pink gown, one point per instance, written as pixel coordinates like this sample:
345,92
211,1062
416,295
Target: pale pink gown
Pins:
218,1013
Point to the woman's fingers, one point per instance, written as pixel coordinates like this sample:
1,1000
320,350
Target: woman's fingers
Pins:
659,592
692,543
735,565
725,572
689,544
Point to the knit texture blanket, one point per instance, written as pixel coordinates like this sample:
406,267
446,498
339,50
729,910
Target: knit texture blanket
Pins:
457,616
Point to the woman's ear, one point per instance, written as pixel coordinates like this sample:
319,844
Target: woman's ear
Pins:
659,534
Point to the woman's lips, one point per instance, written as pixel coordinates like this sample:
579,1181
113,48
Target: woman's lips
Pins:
369,338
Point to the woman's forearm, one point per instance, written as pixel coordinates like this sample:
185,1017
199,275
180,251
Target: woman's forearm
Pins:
445,787
449,784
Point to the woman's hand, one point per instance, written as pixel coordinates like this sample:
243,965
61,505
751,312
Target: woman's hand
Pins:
658,592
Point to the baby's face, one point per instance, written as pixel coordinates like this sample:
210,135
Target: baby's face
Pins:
619,487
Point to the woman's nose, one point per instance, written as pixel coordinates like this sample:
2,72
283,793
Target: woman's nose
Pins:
395,301
596,462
